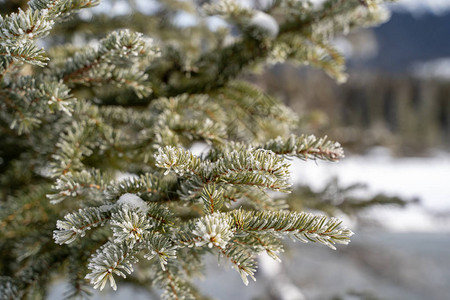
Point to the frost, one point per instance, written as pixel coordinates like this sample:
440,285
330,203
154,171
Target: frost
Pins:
129,225
213,230
132,200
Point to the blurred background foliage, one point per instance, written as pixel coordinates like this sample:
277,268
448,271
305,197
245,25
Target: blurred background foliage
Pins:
397,94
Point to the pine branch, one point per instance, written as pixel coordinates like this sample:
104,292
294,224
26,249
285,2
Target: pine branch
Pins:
161,216
23,26
111,259
18,30
254,197
227,66
306,147
144,184
242,261
188,117
343,16
161,248
78,183
305,50
171,279
61,8
180,161
72,147
8,289
129,225
115,60
212,198
258,243
30,279
76,224
229,9
34,102
78,287
98,186
175,287
26,52
122,116
302,226
213,230
261,116
258,167
18,210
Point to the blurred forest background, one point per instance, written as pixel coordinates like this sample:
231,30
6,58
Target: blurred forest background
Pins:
397,94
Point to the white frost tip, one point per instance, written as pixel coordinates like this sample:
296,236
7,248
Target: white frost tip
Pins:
132,200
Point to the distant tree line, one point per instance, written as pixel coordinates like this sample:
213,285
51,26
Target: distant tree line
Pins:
402,112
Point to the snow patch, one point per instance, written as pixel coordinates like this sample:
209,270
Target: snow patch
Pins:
317,3
434,69
412,218
199,149
183,19
134,201
265,22
148,6
215,23
425,178
268,266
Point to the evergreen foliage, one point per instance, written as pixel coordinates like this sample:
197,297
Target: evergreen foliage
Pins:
96,136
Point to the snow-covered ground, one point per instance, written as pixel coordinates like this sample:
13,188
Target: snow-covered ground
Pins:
425,178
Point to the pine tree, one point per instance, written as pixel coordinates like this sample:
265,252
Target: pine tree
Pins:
96,173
